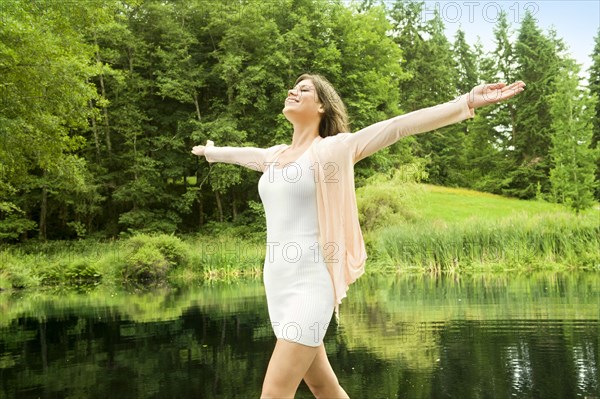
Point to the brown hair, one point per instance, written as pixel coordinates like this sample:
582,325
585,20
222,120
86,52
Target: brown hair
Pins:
335,117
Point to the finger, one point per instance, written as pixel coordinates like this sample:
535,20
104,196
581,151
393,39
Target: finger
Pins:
509,90
495,86
511,93
513,88
519,85
515,85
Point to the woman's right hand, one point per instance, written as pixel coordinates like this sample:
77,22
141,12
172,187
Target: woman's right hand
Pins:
199,149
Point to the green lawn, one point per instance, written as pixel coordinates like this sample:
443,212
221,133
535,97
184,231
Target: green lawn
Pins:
450,229
457,204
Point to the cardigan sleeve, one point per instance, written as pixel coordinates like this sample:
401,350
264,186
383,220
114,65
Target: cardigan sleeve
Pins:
382,134
250,157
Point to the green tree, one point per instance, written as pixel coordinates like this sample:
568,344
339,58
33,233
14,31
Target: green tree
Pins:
429,61
467,64
502,116
45,107
538,63
409,33
594,86
573,159
368,78
164,92
490,138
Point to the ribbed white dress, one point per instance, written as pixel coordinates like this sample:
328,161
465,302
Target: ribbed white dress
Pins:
298,286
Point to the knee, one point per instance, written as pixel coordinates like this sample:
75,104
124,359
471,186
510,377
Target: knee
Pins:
267,393
329,389
274,392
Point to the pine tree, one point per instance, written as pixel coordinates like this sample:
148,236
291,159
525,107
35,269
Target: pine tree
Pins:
538,63
504,51
466,63
468,76
409,31
429,60
489,140
594,86
502,116
573,159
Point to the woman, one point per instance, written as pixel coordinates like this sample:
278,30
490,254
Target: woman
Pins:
315,248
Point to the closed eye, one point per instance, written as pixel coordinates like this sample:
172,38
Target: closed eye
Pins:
306,88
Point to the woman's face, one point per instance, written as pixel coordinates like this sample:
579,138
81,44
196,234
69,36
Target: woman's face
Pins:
302,102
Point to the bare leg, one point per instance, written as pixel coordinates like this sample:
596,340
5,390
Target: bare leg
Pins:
321,379
289,363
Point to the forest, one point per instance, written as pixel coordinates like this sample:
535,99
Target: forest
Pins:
101,102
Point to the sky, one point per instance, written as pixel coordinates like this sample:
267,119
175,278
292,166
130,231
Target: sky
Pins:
576,22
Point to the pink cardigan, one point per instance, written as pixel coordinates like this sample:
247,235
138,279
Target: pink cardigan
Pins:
334,157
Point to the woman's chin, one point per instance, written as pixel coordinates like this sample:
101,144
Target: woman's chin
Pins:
288,116
287,110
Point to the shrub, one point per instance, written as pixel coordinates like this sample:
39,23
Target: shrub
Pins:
18,271
150,257
19,279
146,265
82,272
170,246
52,274
384,201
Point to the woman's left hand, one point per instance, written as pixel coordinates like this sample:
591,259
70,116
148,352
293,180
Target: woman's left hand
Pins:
491,93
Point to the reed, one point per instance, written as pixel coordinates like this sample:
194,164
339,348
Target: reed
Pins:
524,241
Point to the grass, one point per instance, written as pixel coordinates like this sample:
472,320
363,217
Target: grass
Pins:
407,227
143,259
458,205
464,230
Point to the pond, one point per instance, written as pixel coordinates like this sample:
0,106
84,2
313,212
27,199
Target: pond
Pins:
488,336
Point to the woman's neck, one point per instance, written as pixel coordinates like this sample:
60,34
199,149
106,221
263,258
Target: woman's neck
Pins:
304,135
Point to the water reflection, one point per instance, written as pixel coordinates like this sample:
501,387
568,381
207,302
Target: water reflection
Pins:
518,363
585,359
531,336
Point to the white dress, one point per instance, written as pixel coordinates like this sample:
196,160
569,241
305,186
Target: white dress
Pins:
298,286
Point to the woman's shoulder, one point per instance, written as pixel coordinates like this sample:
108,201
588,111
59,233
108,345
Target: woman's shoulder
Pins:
334,141
336,138
334,147
276,147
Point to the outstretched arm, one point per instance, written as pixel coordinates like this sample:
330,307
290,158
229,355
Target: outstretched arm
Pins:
382,134
250,157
